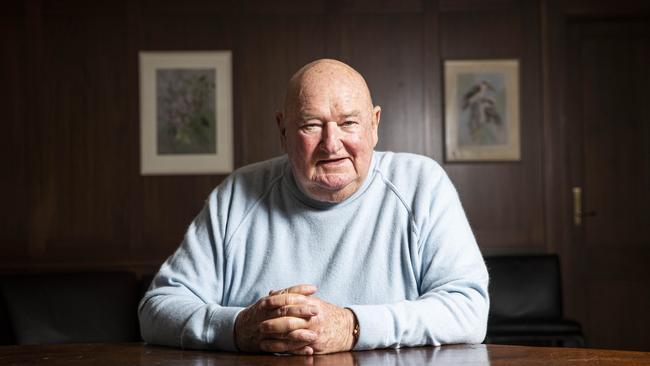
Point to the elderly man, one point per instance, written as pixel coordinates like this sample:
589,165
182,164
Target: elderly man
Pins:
329,248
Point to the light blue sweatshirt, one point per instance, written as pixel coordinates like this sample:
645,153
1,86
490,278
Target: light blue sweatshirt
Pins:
399,252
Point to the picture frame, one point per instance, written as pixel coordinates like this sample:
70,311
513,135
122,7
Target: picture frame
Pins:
186,112
482,110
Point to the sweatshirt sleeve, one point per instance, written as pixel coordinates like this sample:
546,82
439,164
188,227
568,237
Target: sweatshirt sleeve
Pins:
453,286
182,308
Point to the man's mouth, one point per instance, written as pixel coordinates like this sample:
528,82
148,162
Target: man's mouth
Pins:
334,161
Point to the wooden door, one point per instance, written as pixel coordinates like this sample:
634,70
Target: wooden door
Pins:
608,119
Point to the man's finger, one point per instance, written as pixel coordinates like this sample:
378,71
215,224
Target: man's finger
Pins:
276,301
274,345
297,289
300,311
298,335
305,351
283,325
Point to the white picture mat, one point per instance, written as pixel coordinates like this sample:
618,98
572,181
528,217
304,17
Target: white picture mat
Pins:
219,162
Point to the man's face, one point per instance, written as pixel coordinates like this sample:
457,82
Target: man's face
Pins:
329,133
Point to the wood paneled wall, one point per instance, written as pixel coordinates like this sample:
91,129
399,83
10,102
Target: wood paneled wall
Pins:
71,189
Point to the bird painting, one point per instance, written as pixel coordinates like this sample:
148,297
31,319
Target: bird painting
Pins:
481,110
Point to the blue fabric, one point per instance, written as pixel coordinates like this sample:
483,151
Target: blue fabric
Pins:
399,253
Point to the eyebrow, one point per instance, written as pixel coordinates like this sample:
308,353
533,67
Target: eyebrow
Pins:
353,113
307,117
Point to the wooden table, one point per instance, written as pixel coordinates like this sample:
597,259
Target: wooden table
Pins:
475,355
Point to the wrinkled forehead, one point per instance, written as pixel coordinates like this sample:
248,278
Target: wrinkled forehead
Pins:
331,91
328,85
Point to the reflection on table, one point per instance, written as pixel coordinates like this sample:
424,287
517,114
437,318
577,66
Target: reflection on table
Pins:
99,354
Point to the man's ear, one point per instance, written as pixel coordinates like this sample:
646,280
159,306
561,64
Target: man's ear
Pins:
376,117
279,120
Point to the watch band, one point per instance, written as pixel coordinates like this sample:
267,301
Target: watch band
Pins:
356,331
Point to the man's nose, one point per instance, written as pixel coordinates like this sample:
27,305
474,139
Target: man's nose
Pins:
331,138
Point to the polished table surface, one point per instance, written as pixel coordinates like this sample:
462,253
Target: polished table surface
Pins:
140,354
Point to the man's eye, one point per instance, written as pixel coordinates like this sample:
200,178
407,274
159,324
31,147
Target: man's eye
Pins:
349,123
310,128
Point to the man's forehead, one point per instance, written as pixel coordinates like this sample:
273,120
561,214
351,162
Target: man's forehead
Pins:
327,84
338,93
330,86
341,104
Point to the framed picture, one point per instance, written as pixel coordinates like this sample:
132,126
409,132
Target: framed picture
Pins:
482,110
186,112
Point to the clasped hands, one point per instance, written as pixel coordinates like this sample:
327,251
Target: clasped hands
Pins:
293,321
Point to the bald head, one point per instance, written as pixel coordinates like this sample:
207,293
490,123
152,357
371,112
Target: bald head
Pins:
321,74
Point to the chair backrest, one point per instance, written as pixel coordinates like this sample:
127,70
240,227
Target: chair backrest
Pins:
6,329
145,282
72,307
524,287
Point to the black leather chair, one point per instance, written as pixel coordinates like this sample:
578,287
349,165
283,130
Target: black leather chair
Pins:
526,303
71,307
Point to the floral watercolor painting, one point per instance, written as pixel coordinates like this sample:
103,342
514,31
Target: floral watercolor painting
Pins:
185,111
186,119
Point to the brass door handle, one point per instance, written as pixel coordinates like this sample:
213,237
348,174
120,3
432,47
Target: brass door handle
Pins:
578,214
